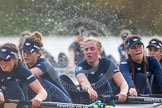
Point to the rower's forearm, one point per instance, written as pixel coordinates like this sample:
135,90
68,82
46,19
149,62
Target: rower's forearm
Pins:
86,85
42,95
83,81
124,88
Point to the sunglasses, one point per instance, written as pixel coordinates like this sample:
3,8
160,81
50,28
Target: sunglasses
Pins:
1,59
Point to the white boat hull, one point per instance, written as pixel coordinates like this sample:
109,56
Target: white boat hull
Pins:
139,105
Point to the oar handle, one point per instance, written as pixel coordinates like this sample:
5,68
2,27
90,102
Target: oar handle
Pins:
151,95
109,97
18,102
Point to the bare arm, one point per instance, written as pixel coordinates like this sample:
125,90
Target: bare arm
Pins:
1,97
36,71
85,84
40,91
83,81
121,82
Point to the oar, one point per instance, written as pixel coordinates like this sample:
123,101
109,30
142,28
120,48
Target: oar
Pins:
50,104
134,98
60,105
151,95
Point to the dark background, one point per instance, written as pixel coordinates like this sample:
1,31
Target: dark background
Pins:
61,17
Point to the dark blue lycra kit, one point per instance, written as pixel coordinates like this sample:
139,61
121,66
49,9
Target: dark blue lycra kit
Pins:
122,52
51,82
98,76
10,82
141,81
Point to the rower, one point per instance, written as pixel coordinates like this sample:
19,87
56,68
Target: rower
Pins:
93,75
138,68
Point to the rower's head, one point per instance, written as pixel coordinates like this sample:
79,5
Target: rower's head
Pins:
32,48
132,40
33,43
135,48
92,50
80,34
155,47
155,42
9,56
92,33
124,34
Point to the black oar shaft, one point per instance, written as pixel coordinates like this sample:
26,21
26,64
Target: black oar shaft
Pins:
146,99
108,97
50,104
18,102
65,105
151,95
133,98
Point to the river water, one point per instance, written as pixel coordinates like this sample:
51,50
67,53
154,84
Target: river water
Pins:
55,45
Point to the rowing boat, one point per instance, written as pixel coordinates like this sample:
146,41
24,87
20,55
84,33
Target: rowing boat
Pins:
138,101
153,105
149,103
